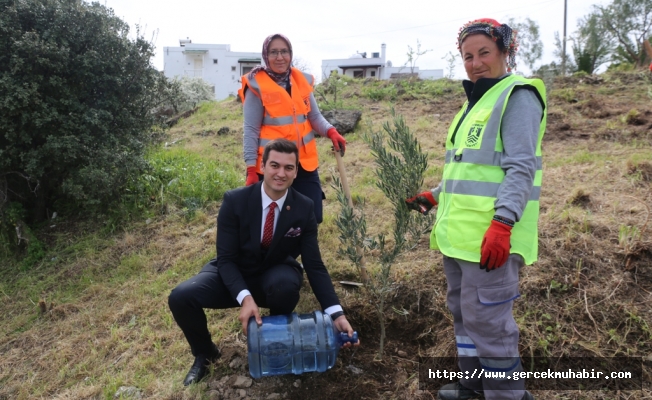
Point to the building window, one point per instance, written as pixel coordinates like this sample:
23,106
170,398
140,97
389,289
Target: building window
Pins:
358,74
214,60
373,73
245,70
233,68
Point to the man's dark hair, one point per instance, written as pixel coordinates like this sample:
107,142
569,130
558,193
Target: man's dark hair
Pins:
282,146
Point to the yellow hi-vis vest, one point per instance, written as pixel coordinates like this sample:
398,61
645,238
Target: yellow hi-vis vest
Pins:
285,116
473,174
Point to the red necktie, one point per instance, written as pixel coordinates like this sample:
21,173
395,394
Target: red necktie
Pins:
268,230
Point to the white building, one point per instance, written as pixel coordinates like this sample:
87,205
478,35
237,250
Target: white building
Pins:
215,63
376,66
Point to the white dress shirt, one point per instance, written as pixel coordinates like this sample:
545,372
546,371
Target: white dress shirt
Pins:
277,211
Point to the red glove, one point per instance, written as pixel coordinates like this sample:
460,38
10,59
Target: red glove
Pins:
422,202
252,176
339,143
495,245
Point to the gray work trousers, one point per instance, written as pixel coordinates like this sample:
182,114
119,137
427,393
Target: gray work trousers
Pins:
485,330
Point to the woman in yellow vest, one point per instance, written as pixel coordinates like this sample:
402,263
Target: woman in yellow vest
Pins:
488,209
283,106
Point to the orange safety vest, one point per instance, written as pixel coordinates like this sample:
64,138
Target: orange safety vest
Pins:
285,116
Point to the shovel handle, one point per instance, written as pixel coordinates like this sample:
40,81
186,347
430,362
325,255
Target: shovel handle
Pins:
345,183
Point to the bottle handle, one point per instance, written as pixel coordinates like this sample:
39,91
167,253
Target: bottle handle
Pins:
344,337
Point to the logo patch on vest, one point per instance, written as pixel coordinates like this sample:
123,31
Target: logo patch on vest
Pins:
474,136
271,98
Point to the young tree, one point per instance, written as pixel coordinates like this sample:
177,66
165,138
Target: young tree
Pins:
549,71
451,61
400,168
630,23
332,85
591,47
413,55
530,47
76,98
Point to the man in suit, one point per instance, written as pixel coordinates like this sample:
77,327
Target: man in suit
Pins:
254,265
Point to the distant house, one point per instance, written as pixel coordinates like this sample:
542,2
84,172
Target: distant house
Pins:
215,63
376,66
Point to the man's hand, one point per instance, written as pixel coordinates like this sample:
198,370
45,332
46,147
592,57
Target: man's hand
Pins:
495,245
339,143
252,176
423,202
249,309
343,325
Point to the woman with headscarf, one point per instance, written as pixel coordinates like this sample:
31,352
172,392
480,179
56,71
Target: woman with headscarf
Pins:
488,208
283,106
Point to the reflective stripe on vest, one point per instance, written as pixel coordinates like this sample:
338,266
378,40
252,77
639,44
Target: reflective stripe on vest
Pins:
473,175
253,85
483,189
287,120
305,140
309,78
483,157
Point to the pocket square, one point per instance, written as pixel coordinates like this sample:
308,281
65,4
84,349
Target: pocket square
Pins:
293,232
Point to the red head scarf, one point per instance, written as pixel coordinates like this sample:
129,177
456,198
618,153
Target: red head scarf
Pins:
503,34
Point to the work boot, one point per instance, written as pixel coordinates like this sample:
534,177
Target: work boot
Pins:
200,366
527,396
456,391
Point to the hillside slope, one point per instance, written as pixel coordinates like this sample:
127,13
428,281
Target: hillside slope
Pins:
106,322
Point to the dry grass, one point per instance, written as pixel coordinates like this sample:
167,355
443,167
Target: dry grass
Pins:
106,322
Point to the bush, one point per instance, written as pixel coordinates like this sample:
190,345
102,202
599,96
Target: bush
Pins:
76,95
185,93
379,93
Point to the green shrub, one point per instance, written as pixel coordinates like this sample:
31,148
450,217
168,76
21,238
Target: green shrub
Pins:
331,91
377,93
185,93
76,92
17,238
621,67
428,88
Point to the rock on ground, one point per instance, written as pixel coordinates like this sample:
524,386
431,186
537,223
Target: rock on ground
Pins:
344,121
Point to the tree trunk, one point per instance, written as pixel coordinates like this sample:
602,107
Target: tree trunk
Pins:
381,319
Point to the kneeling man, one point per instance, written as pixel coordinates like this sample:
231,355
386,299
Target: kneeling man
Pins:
259,228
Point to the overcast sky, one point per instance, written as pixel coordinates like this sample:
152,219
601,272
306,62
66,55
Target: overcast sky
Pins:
338,28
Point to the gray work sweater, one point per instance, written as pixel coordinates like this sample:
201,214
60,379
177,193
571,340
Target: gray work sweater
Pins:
519,131
254,112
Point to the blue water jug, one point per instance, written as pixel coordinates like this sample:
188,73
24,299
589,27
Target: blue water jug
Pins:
294,343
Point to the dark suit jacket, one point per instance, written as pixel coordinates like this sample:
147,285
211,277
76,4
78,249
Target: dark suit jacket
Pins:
238,241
